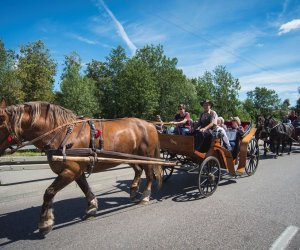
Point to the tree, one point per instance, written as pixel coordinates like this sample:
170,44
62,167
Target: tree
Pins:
36,71
136,94
11,87
297,107
114,64
77,92
265,101
222,88
170,83
98,72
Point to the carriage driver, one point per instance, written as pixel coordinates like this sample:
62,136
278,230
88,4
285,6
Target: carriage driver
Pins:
207,119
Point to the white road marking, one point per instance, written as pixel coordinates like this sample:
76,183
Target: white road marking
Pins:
284,239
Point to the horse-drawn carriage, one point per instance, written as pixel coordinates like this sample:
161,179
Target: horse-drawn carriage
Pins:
76,146
210,165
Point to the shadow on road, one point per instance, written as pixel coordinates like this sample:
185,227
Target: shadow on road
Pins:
22,224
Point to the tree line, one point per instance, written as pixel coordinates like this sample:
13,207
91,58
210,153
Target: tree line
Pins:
143,85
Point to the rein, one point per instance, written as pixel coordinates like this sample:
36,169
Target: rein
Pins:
21,145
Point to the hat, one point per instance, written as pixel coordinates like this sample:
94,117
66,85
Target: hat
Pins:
237,119
206,101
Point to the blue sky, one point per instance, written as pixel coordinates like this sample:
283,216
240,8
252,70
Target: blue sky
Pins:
258,41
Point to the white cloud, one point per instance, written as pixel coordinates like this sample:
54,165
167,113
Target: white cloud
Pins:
289,26
145,34
225,53
120,28
279,81
83,39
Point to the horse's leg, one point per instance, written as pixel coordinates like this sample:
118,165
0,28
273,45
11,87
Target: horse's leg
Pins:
47,218
283,146
147,191
91,199
290,149
265,148
136,181
277,148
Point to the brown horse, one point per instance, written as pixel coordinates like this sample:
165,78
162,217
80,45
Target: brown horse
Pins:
129,135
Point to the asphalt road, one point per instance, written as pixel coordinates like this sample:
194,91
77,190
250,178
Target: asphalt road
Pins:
257,212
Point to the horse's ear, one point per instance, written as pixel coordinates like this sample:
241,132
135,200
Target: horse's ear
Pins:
3,103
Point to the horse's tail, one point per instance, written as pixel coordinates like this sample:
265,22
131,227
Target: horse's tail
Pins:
157,169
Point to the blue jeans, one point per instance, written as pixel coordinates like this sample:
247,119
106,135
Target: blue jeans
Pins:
178,131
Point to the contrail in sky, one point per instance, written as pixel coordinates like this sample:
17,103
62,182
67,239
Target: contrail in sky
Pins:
120,28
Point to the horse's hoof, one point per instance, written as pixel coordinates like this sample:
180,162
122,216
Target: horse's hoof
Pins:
134,200
142,202
91,211
45,230
88,216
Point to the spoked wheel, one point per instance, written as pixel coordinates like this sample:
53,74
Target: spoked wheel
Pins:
168,171
209,176
252,156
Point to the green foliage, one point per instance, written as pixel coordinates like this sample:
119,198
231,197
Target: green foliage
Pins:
170,83
11,87
297,107
220,87
36,71
265,101
77,92
136,94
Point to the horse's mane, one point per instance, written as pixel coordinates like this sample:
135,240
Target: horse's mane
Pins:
56,114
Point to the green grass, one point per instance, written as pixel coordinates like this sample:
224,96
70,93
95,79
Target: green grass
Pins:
25,153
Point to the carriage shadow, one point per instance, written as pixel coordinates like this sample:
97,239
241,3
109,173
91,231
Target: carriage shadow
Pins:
182,187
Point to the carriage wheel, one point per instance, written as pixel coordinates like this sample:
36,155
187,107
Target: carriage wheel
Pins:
252,156
168,171
209,176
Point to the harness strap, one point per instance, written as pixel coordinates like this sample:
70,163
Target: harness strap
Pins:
69,145
47,146
101,140
93,147
63,144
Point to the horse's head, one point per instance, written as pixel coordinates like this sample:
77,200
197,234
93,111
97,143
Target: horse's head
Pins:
7,138
260,122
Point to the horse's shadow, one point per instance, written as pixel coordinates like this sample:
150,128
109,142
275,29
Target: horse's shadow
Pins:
22,224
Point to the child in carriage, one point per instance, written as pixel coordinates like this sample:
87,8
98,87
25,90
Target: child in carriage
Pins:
236,131
221,129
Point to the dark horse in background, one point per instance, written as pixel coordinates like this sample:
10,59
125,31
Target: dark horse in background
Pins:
131,136
262,132
274,134
280,134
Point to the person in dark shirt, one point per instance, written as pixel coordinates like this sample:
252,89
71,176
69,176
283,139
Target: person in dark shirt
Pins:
207,120
182,121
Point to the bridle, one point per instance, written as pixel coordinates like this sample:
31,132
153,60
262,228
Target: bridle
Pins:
12,136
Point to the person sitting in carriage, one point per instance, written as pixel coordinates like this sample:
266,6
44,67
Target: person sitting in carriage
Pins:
222,131
207,120
159,124
182,121
236,131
